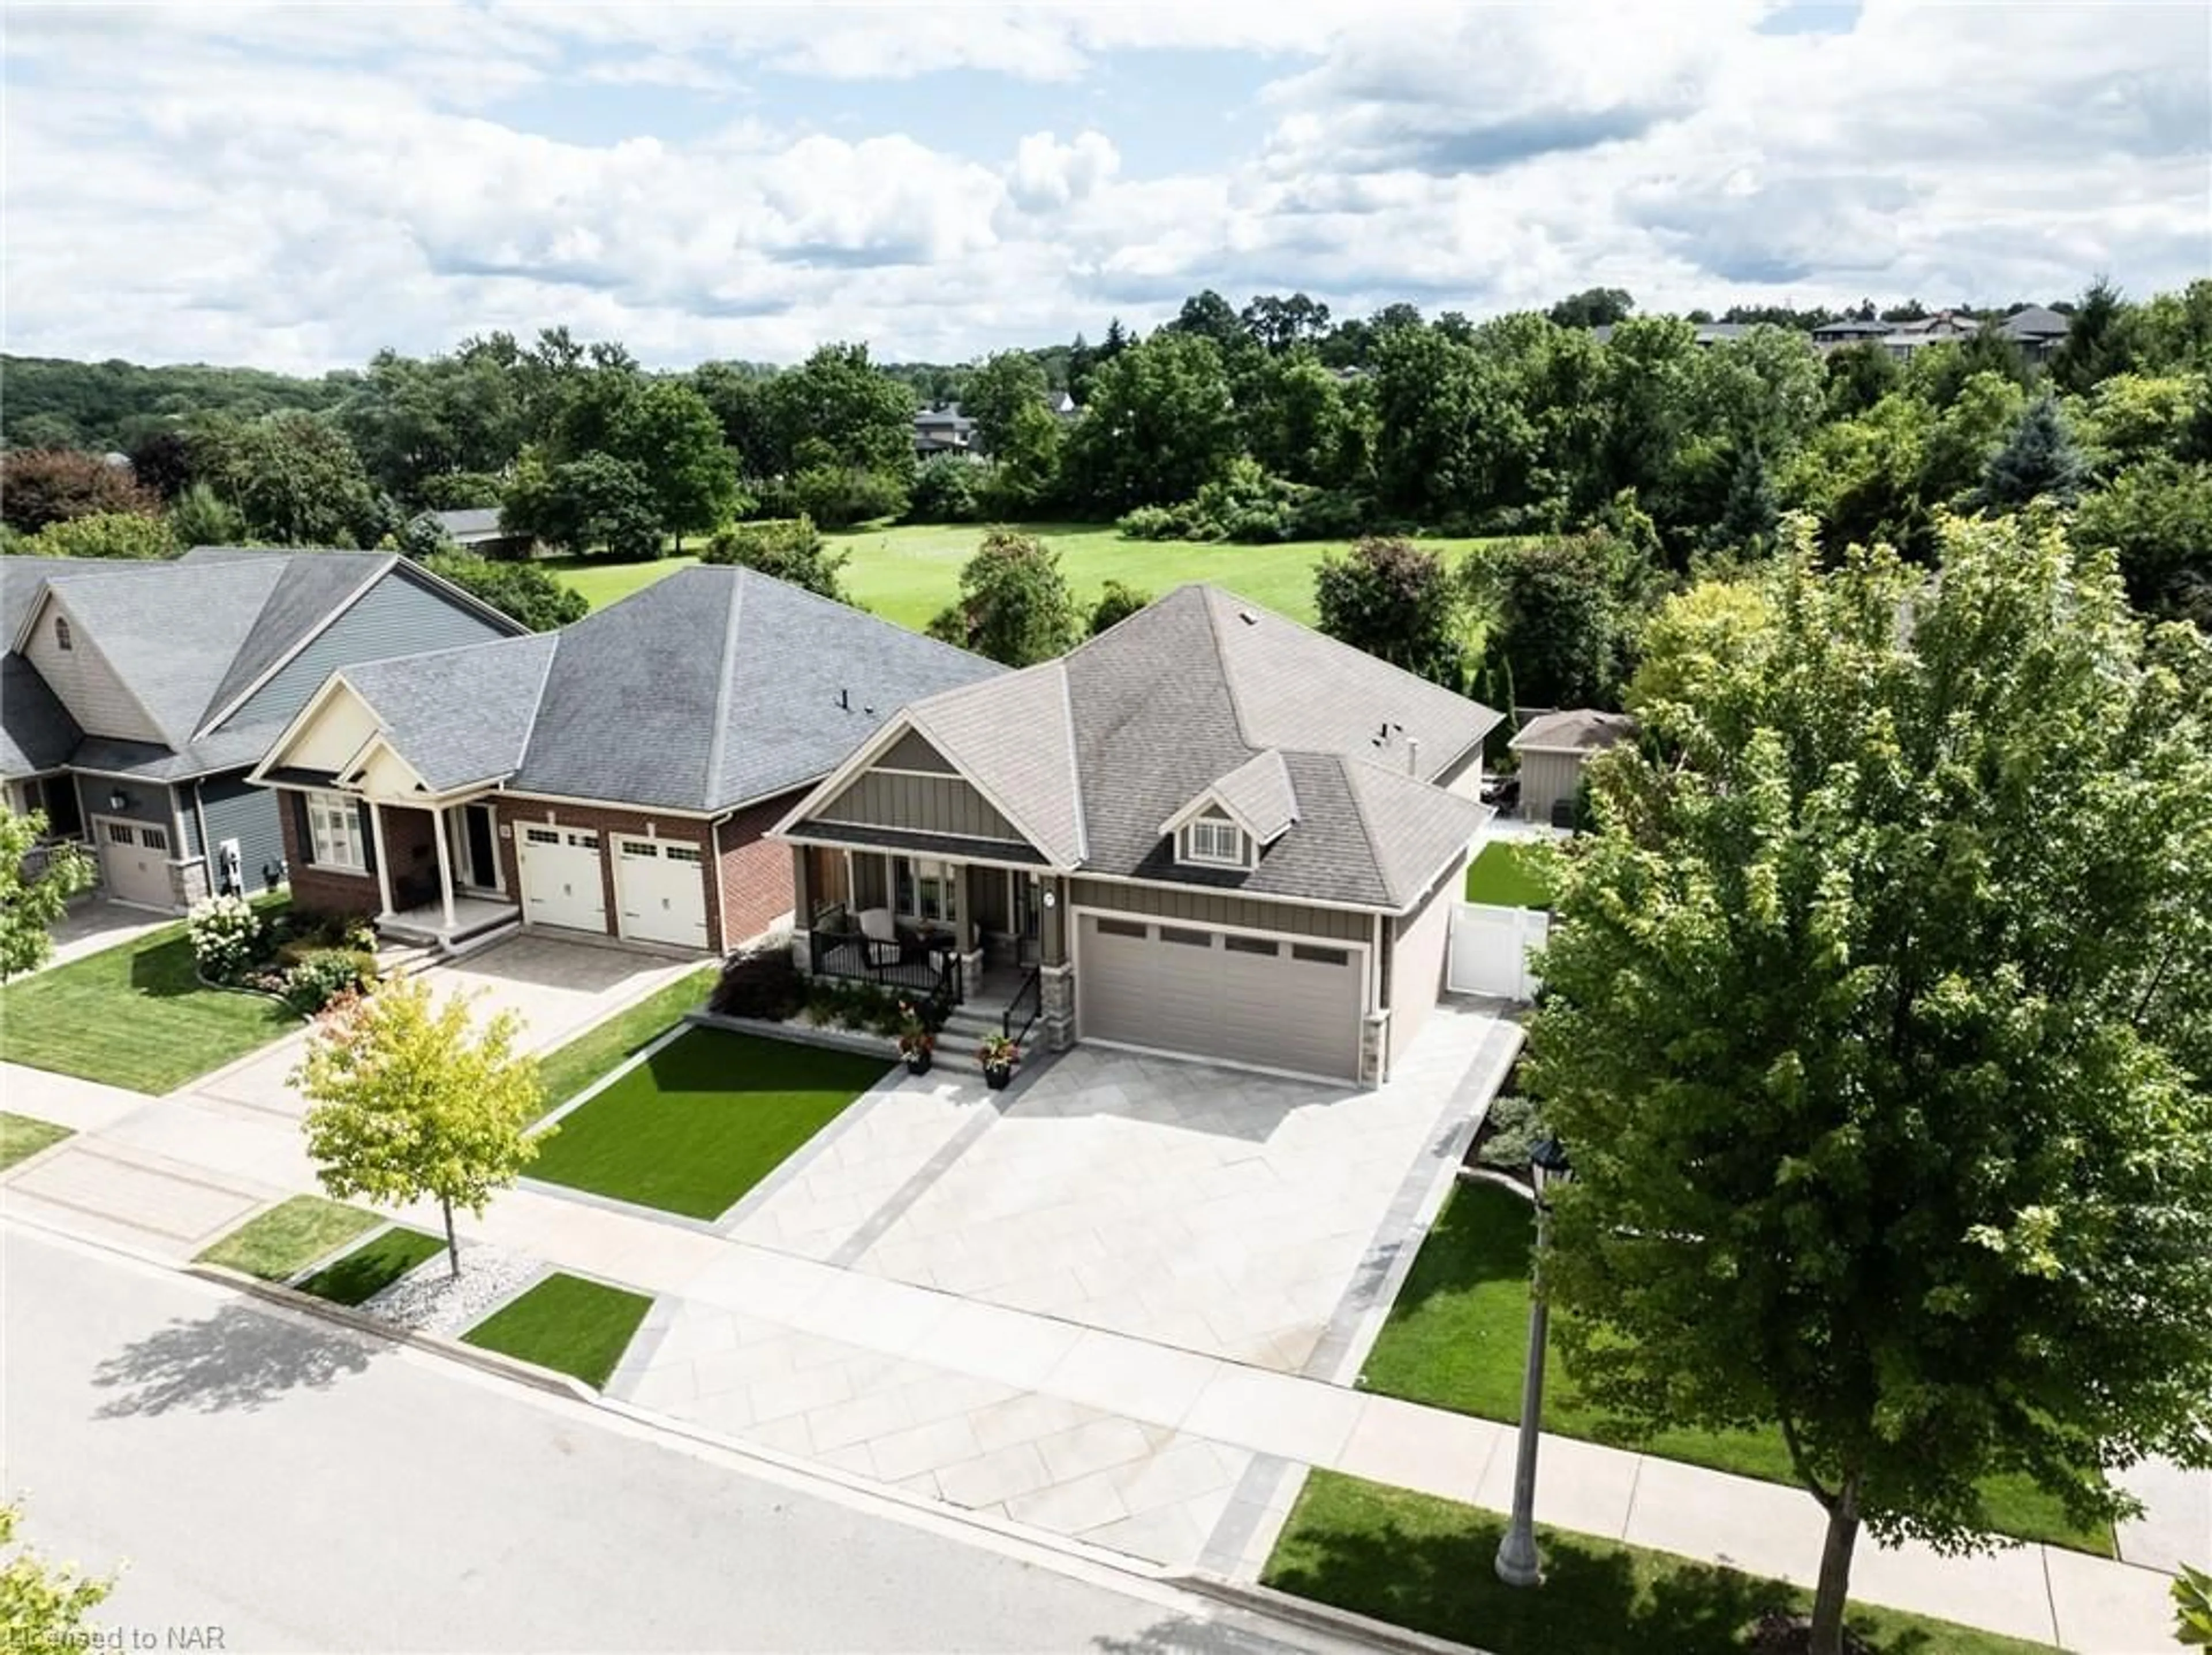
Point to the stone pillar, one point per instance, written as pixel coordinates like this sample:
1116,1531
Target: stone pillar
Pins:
188,881
1374,1041
1056,1005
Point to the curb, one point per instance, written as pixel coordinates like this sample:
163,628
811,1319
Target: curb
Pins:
435,1344
1320,1617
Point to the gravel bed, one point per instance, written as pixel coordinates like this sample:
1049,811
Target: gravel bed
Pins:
430,1299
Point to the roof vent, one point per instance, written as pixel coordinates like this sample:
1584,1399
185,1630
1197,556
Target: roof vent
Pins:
1248,618
845,700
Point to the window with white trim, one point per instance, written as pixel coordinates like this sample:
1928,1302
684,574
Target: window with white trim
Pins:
334,829
927,889
1213,842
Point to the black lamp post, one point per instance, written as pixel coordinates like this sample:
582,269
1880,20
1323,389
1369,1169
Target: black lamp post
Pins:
1517,1564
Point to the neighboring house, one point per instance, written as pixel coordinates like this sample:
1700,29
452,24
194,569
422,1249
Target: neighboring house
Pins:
1707,334
135,697
1208,832
1062,404
944,430
1553,747
2038,330
477,529
1849,329
1905,340
613,777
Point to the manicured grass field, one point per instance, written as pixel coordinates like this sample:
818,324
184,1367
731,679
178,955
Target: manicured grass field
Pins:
1458,1335
287,1237
1505,874
568,1069
21,1137
1427,1564
566,1324
372,1266
703,1120
907,574
133,1016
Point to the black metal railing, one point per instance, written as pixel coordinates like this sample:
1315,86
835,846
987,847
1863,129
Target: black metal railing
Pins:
1031,994
933,975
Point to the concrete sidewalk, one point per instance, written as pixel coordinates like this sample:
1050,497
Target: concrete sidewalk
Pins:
1185,1457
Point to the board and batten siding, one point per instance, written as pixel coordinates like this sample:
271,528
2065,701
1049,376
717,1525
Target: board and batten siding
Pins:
396,617
234,809
1216,908
85,680
920,804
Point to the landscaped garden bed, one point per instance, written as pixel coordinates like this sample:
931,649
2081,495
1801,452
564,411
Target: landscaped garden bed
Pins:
136,1016
289,1236
567,1323
702,1121
301,960
1427,1564
1457,1338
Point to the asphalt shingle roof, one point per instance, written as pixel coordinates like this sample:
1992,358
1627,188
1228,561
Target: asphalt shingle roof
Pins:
706,689
1577,729
1185,696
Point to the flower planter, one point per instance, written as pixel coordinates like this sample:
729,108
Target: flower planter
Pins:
997,1075
917,1063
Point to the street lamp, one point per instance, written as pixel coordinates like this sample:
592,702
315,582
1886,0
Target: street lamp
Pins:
1516,1554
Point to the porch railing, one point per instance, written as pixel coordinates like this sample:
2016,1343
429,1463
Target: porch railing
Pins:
1031,995
934,976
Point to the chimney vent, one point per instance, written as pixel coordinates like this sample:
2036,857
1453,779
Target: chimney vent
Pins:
1412,754
845,700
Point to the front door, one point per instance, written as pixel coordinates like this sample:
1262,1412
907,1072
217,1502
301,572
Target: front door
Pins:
1024,912
483,846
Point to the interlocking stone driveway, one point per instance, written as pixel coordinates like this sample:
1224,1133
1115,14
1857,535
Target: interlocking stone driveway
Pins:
1000,1253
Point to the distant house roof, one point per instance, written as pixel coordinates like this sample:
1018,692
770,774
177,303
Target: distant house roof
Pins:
1203,693
1576,730
474,524
1850,327
712,688
1707,333
2034,323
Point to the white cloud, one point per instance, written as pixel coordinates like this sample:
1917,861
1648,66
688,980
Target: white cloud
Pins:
299,186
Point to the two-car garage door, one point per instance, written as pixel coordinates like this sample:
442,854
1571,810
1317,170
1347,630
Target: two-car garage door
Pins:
1274,1002
660,885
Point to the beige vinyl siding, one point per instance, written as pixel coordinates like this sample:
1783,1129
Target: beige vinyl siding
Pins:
920,804
1215,908
1547,779
338,731
1415,974
85,679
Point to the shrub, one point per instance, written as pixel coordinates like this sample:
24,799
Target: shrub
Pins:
323,976
226,937
1248,503
105,534
523,591
790,550
459,490
1149,523
39,486
1116,604
947,490
841,496
762,983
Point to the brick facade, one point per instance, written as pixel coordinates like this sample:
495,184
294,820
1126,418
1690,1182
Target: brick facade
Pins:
322,890
756,873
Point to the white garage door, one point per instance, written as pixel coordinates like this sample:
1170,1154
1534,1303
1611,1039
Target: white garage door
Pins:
1270,1001
561,878
663,891
134,859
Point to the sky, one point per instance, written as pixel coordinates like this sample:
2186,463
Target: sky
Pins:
298,186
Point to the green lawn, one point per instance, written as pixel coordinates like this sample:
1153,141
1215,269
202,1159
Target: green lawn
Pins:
1505,874
21,1137
703,1120
1427,1564
133,1016
568,1069
566,1324
287,1237
372,1266
907,574
1457,1338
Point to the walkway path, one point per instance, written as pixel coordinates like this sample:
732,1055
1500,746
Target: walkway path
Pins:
1183,1456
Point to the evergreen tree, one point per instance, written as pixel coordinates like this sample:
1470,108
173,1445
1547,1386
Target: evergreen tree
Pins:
2039,458
1751,514
2095,347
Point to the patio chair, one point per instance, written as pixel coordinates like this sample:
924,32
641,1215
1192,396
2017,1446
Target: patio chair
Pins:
880,932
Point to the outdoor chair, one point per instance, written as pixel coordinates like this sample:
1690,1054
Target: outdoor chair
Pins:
880,932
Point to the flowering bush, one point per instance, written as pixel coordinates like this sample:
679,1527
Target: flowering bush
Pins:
322,977
226,937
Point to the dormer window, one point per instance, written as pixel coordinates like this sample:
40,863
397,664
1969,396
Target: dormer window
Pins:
1214,843
62,638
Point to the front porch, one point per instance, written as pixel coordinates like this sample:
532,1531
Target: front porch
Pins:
431,925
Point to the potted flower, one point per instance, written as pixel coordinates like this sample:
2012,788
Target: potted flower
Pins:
916,1042
998,1055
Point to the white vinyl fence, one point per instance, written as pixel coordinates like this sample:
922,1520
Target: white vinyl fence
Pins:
1489,950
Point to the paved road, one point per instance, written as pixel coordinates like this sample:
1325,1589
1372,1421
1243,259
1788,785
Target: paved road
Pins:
303,1489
